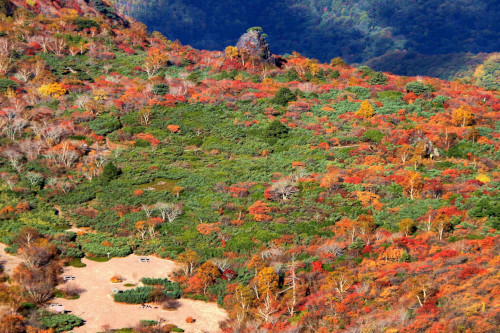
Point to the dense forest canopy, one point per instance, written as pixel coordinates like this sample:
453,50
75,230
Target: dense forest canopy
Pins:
354,30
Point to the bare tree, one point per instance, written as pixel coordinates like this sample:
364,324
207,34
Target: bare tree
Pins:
14,127
292,281
267,308
4,63
148,210
221,263
65,155
5,46
15,158
10,180
168,211
82,101
284,188
31,148
58,46
34,178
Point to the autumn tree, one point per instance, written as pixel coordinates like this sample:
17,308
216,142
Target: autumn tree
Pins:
406,226
52,90
267,281
189,259
421,287
365,110
231,52
412,184
340,280
243,298
441,223
462,116
259,210
155,60
207,274
168,211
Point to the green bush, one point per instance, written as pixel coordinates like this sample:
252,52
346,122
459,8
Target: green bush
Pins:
84,23
378,78
95,244
276,130
110,172
104,124
373,135
160,89
283,96
60,322
141,295
418,88
137,295
6,84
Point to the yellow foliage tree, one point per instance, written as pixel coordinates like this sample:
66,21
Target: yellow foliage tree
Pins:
52,90
406,225
462,116
154,61
231,52
365,110
483,178
267,281
338,61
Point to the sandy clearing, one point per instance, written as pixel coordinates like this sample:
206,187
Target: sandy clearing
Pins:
97,308
7,260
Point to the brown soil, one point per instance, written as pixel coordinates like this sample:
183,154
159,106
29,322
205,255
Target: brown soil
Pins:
8,261
97,308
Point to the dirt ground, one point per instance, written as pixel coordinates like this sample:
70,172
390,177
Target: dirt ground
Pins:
8,261
96,305
97,308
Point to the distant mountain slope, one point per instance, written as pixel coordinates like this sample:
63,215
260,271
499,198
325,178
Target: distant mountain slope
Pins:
354,30
481,69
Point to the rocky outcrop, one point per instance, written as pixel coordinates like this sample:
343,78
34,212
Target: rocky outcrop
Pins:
254,45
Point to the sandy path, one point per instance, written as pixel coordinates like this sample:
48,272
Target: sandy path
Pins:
97,308
7,260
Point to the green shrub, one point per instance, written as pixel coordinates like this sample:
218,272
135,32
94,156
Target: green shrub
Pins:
137,295
373,135
378,78
6,84
365,70
283,96
110,172
104,124
418,88
84,23
97,245
160,89
276,130
60,322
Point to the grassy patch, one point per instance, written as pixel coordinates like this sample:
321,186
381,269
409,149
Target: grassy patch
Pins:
161,184
77,262
99,259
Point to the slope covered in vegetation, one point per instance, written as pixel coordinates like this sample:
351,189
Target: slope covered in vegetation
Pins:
312,197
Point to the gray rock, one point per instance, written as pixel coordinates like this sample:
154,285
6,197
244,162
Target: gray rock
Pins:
255,45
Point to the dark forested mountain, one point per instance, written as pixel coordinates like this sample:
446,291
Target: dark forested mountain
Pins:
354,30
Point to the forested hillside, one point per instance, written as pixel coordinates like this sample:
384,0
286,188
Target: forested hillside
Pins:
300,196
357,31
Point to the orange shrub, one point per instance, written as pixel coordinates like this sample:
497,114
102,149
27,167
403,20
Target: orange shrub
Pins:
116,279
